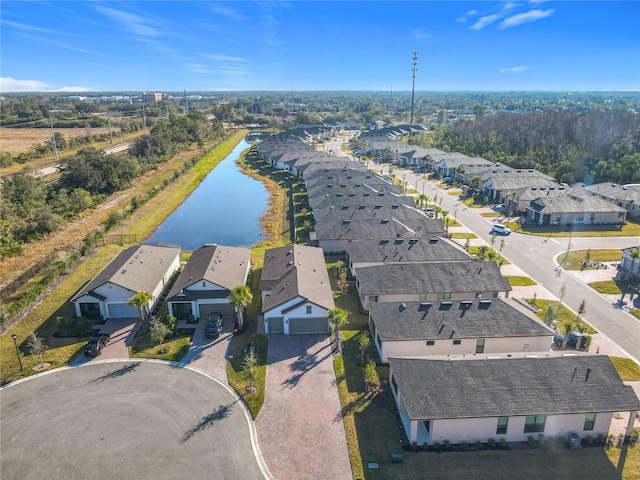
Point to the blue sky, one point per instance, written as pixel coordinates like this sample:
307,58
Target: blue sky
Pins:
327,45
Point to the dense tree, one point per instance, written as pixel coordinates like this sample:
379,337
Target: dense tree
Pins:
97,173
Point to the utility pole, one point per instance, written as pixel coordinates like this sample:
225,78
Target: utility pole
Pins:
186,103
54,147
414,69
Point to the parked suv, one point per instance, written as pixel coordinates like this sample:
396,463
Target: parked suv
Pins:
572,340
96,344
499,229
214,326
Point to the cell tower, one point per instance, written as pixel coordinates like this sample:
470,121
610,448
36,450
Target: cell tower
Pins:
414,69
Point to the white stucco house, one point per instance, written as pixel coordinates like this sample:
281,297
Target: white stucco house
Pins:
629,263
456,327
205,282
139,268
511,398
295,289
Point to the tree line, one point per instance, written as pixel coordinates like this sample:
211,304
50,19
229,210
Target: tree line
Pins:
573,146
31,209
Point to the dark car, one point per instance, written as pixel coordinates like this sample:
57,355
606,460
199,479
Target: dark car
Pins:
214,326
572,340
96,344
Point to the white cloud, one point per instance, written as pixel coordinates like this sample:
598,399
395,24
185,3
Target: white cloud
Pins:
470,13
484,21
509,6
513,69
224,58
227,12
30,28
136,24
9,84
530,16
420,33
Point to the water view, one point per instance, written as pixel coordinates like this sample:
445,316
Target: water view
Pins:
224,209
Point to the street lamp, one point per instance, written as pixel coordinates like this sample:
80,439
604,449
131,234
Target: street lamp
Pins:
15,342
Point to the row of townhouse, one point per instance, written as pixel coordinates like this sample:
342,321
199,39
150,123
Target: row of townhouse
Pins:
467,363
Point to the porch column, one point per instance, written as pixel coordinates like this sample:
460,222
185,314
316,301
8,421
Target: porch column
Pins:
632,418
413,433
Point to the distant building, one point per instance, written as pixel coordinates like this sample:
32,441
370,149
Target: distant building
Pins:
148,97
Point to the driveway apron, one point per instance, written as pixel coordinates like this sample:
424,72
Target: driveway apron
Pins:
121,331
300,427
209,354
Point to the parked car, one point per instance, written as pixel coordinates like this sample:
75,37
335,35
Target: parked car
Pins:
430,212
96,344
572,340
214,325
447,179
499,229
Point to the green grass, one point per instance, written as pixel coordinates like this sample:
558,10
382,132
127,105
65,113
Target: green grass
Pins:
635,312
475,250
574,260
606,287
626,368
463,235
174,349
631,229
519,281
491,214
563,314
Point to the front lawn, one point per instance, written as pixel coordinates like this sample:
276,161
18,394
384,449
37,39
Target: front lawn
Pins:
563,314
174,349
590,259
626,368
630,229
516,281
463,235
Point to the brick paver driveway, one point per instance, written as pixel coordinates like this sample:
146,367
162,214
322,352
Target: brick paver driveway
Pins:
209,354
121,331
300,428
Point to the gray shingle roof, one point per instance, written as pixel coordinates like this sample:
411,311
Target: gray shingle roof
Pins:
295,270
138,268
432,277
421,249
218,264
437,389
477,318
345,212
390,227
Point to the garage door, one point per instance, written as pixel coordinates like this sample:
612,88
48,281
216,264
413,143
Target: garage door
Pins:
308,325
276,325
122,310
223,309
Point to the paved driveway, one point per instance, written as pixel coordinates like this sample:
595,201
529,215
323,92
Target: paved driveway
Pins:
121,331
300,427
132,419
210,354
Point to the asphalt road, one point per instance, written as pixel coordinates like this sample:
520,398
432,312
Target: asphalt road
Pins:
535,256
132,419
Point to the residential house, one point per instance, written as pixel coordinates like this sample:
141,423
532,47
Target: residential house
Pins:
139,268
560,207
371,252
409,282
630,264
452,327
497,184
207,279
296,292
625,196
458,399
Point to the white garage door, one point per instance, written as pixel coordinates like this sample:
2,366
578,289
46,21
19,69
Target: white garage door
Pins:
276,325
308,325
122,310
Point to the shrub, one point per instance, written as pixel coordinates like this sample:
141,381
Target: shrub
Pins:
532,441
478,445
491,442
447,445
503,443
436,447
259,341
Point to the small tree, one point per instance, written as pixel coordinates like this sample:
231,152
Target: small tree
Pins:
567,330
582,309
534,299
339,267
36,346
338,318
140,301
467,245
240,297
158,331
549,315
170,321
363,344
563,292
250,367
371,379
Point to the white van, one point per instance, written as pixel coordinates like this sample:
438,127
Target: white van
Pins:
499,229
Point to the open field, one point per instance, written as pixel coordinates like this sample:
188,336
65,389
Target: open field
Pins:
20,140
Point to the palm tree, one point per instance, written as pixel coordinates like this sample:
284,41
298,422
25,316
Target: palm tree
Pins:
240,297
582,309
338,318
140,300
634,253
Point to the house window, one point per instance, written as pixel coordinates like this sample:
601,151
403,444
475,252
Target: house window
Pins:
373,298
427,425
503,422
444,296
580,218
558,218
423,297
430,343
457,342
308,309
204,284
592,217
589,421
478,294
534,423
480,345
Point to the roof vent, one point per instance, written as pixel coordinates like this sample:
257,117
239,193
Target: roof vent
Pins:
433,240
425,304
403,306
123,271
290,262
485,302
384,220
